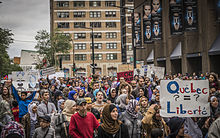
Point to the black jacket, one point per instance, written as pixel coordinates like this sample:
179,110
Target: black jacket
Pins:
124,133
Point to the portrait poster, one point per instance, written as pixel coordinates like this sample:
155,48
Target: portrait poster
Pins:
156,19
147,26
218,10
137,29
190,15
176,18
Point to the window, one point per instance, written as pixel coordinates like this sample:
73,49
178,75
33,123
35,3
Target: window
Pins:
96,35
111,45
110,4
63,25
110,14
80,56
129,47
111,56
65,34
79,35
62,14
79,4
96,45
95,24
62,4
95,14
95,3
79,14
64,57
79,24
80,46
110,24
97,57
111,35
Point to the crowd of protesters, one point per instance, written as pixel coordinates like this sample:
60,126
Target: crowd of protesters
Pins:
101,107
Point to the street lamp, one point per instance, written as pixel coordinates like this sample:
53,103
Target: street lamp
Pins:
93,50
133,31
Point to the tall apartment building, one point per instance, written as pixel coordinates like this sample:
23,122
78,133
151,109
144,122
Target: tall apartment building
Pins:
126,31
74,18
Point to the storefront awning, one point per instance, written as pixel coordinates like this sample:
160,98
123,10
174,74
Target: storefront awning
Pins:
177,52
150,58
215,49
193,55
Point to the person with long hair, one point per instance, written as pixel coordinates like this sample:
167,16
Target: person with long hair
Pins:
112,96
111,126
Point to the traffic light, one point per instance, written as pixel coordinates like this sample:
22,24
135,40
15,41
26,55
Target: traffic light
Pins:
74,67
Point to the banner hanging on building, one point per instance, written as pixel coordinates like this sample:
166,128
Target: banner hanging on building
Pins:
156,19
25,81
137,29
218,10
184,98
128,75
176,20
147,26
190,15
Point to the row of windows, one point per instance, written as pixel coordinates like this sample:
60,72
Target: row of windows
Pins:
82,46
96,35
81,14
82,3
83,25
109,56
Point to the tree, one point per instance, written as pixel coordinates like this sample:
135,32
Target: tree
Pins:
6,67
48,45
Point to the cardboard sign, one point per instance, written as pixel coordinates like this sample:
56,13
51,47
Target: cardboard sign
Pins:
128,75
155,71
139,72
25,81
57,75
47,71
184,98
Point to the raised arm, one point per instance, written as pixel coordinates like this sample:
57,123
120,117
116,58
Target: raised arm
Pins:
15,92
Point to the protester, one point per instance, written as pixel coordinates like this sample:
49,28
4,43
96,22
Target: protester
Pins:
83,123
46,107
23,101
63,120
99,104
15,111
5,112
44,131
7,96
60,105
112,96
72,95
132,119
13,130
30,120
176,127
143,102
111,126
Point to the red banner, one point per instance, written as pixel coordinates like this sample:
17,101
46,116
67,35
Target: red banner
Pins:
128,75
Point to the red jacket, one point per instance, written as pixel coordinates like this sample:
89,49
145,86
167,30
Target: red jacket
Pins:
83,127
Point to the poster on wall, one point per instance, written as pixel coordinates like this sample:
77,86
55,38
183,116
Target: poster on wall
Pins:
176,20
147,26
156,19
218,10
190,15
137,29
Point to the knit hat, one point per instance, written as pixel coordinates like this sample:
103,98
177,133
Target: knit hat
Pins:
13,128
46,118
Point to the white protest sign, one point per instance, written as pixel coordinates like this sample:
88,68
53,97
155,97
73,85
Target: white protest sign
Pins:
184,98
139,72
57,75
25,81
150,71
47,71
159,72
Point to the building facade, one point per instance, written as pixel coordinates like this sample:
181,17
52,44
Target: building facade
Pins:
78,18
187,51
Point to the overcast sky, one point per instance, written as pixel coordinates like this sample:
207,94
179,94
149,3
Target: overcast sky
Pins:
24,18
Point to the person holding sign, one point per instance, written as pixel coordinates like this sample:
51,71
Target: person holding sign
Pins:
23,101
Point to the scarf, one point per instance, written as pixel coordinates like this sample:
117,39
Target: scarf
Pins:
130,109
110,96
59,104
33,116
67,109
109,125
71,94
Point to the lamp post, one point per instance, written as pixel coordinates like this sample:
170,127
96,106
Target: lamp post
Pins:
93,50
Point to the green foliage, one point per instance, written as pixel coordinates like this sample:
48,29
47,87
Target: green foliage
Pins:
6,67
48,45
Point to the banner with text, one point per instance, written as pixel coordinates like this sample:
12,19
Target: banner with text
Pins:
25,81
184,98
47,71
128,75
